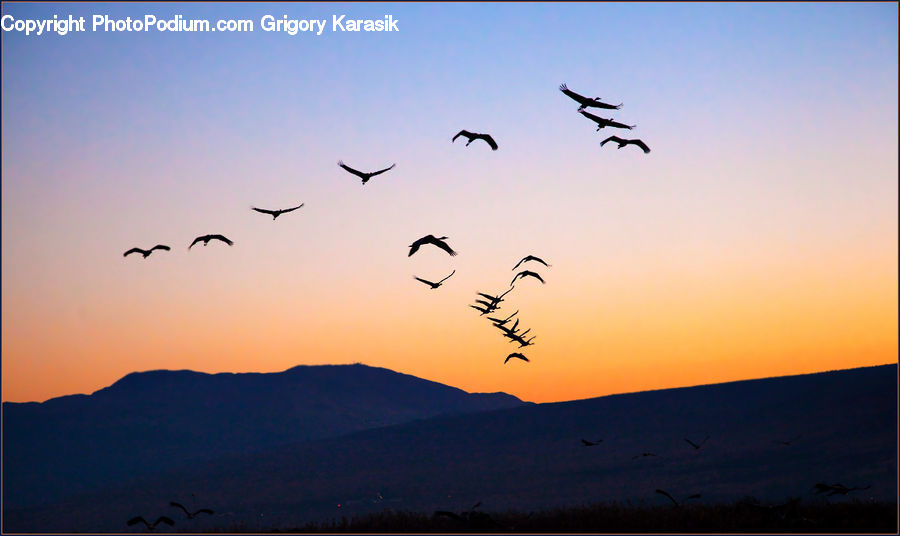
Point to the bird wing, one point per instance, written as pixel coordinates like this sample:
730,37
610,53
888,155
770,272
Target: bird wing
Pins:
198,239
134,250
535,275
642,145
661,492
518,275
696,446
488,296
443,245
136,520
595,118
612,138
538,259
580,99
479,309
423,280
520,262
414,248
161,246
505,293
164,519
359,174
222,238
265,211
465,133
616,124
179,505
380,171
490,141
446,278
517,355
291,209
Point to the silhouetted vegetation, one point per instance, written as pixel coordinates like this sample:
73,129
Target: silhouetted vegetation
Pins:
747,515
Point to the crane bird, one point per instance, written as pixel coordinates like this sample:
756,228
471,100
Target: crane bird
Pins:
522,342
531,258
434,285
496,299
482,310
591,443
150,526
601,122
586,102
206,238
516,355
276,213
146,252
491,307
430,239
663,492
500,323
697,445
526,273
623,142
191,515
472,136
362,174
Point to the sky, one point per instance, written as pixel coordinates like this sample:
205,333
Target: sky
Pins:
758,238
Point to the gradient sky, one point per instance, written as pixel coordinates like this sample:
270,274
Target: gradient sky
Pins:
758,238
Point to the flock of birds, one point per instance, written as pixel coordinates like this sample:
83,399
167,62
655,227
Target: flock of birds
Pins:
168,520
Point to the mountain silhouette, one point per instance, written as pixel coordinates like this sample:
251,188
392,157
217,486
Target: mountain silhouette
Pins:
150,421
530,457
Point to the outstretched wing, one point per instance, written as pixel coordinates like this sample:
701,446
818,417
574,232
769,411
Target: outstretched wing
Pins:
595,118
696,446
136,520
222,238
179,505
612,138
465,133
446,278
265,211
380,171
134,250
198,239
661,492
537,259
359,174
616,124
536,276
517,355
443,245
291,209
161,246
164,519
580,99
490,141
642,145
424,281
204,511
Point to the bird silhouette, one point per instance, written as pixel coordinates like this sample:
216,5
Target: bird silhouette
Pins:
531,258
495,300
500,323
487,305
623,142
482,310
697,445
644,455
527,273
601,122
150,526
840,489
430,239
586,102
521,340
587,443
472,136
146,252
191,515
516,355
206,238
362,174
276,213
434,285
664,492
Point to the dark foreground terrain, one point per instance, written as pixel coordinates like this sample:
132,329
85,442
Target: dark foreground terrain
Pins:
748,515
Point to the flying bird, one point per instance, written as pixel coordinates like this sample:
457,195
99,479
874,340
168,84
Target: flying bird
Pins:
623,142
531,258
495,300
206,238
472,136
434,285
601,122
146,252
526,273
491,307
363,175
430,239
696,445
482,310
191,515
150,526
586,102
517,355
500,323
591,443
276,213
644,455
